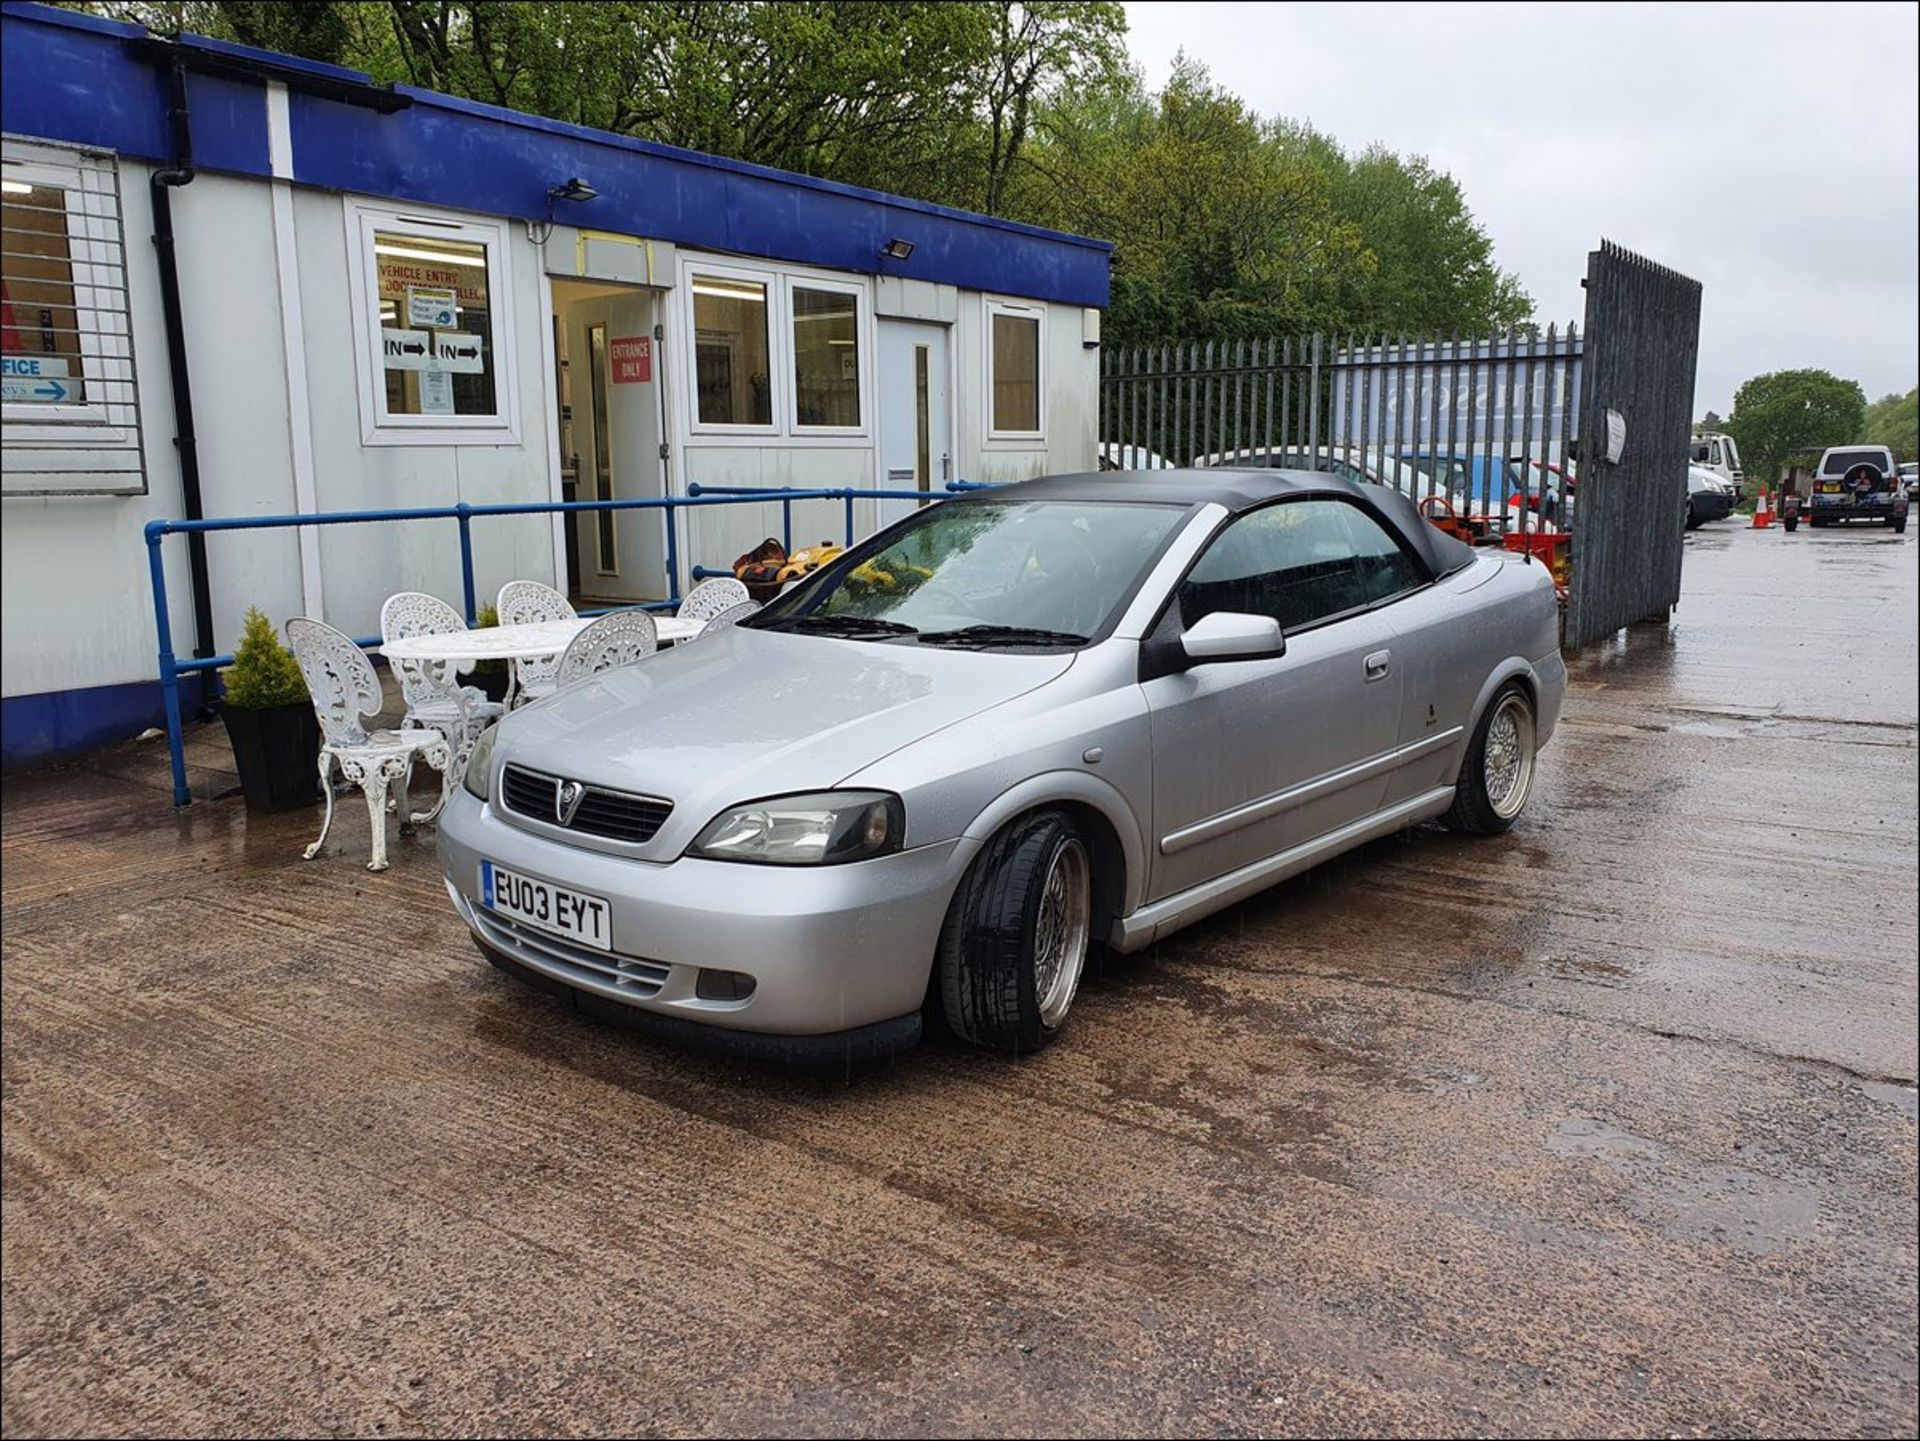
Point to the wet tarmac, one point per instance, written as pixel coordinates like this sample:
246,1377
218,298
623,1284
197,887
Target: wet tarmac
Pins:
1605,1126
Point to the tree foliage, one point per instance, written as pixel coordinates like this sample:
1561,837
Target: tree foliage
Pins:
1225,223
1894,421
1785,411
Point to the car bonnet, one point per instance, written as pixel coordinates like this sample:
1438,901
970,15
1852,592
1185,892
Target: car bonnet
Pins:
747,713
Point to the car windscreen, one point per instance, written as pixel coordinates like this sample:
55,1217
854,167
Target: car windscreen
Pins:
1842,461
990,571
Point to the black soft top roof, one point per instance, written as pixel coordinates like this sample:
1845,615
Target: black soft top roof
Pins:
1244,490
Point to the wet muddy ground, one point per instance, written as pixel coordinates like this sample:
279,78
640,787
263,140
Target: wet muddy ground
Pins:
1604,1126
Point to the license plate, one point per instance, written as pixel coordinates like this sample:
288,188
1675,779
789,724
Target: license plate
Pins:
584,919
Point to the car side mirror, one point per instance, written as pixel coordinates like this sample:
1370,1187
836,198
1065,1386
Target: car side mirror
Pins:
1233,635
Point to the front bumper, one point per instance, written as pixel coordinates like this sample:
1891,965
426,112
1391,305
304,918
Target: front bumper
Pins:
830,948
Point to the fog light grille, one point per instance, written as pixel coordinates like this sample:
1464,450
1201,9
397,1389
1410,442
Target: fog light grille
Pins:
714,985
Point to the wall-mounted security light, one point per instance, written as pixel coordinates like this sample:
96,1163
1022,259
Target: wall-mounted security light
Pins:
897,249
572,188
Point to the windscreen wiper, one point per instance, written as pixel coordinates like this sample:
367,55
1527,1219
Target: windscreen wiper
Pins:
982,636
848,626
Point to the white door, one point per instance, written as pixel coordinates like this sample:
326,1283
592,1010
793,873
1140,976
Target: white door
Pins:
612,391
916,406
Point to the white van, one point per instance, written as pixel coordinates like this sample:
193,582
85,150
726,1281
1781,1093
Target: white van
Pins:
1720,455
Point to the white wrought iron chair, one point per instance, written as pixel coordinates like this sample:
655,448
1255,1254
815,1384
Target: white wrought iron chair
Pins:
729,617
435,698
614,639
527,602
710,597
345,688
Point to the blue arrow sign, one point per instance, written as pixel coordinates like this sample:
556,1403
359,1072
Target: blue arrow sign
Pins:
52,390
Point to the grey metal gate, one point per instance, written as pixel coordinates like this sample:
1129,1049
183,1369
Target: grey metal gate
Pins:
1643,339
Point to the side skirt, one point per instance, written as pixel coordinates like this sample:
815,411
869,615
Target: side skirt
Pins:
1163,918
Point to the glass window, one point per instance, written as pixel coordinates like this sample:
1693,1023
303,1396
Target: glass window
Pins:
1016,372
436,324
1842,461
39,320
70,401
1299,562
733,378
1060,566
826,357
602,449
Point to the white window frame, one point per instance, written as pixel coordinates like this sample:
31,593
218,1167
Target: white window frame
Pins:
863,354
769,283
991,306
96,250
780,281
378,426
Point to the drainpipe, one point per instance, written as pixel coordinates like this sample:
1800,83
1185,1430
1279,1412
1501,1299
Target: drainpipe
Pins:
163,182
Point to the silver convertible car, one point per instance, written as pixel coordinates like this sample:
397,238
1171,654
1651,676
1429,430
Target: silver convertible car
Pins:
1013,727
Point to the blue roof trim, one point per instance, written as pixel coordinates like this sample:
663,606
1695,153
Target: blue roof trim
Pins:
482,110
319,69
72,19
229,124
68,77
62,79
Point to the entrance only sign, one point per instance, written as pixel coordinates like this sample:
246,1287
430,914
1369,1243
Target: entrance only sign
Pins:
632,360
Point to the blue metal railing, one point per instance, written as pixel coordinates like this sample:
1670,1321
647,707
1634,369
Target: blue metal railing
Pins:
172,667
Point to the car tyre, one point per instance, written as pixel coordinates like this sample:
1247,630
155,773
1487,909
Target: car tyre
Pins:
1791,523
1899,524
1489,795
1015,941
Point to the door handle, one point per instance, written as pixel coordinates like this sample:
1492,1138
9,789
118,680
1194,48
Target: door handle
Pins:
1379,664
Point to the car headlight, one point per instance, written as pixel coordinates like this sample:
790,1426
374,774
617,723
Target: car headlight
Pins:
478,779
821,829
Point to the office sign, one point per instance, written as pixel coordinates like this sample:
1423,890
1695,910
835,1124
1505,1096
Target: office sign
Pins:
38,380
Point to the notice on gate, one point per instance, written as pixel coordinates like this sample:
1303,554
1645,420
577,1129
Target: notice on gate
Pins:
632,360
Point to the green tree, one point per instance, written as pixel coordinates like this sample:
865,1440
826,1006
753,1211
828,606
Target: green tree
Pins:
1894,421
1219,229
1789,410
1434,266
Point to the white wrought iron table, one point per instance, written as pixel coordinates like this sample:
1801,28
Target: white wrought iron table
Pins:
466,648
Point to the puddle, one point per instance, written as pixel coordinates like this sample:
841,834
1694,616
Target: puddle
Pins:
1582,1137
1726,1205
1905,1099
1734,1207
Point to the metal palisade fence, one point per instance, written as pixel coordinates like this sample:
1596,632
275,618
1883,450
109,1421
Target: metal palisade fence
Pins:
1479,424
1484,430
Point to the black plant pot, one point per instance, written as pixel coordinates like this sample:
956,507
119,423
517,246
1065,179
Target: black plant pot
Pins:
492,683
276,751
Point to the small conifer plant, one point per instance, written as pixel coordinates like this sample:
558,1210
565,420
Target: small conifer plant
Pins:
264,673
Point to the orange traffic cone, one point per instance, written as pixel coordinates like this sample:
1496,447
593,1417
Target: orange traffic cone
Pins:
1763,512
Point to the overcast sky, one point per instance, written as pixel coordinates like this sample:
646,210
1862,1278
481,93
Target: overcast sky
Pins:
1771,152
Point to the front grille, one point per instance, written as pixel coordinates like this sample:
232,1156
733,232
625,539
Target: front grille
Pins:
628,974
614,815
